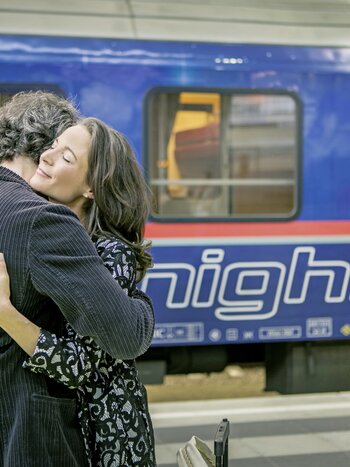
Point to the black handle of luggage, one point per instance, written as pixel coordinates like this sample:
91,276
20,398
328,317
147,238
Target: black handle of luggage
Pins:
221,443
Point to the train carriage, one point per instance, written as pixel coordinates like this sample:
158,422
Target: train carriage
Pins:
239,114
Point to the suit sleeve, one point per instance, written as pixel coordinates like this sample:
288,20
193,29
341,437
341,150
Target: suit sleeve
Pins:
72,359
65,266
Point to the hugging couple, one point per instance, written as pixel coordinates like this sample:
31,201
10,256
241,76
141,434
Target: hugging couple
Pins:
73,205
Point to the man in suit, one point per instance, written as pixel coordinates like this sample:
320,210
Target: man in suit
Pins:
54,271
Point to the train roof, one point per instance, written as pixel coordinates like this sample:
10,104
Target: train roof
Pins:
292,22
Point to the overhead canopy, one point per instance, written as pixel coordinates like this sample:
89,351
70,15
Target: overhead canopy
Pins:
311,22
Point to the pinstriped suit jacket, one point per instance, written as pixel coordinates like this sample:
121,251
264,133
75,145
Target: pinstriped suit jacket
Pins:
53,265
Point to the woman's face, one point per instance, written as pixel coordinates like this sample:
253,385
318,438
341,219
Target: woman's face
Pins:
61,174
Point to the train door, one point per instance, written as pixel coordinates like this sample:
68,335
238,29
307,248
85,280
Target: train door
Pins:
215,159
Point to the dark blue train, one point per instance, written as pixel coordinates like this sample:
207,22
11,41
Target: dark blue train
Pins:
246,149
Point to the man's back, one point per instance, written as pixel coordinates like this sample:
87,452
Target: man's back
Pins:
38,423
49,254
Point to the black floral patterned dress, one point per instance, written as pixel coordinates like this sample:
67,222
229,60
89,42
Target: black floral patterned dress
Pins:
112,401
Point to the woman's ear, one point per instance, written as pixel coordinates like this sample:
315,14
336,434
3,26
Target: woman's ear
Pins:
89,195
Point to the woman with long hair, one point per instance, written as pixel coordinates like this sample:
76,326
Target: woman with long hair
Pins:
92,169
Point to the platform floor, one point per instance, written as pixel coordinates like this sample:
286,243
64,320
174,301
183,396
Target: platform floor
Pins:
296,431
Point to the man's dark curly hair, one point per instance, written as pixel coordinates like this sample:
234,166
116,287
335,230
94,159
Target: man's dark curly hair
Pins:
30,122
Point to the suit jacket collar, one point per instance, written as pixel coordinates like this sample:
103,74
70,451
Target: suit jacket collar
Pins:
6,175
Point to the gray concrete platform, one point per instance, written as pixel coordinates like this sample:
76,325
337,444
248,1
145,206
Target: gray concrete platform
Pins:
301,430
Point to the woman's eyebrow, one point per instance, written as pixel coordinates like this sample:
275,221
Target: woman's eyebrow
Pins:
71,151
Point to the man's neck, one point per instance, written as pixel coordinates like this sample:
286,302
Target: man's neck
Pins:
22,166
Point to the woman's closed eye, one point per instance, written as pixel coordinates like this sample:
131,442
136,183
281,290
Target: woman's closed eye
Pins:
66,159
68,155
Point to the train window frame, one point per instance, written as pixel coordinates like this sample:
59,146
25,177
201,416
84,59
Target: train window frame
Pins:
225,92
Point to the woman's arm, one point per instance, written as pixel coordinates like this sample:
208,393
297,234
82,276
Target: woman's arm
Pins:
71,359
17,326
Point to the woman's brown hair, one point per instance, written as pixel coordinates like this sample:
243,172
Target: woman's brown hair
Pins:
121,197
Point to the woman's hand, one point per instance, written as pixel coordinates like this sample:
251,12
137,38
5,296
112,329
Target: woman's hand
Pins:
17,326
4,283
4,279
6,307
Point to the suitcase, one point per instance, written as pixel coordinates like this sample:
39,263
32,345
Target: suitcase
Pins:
196,453
221,443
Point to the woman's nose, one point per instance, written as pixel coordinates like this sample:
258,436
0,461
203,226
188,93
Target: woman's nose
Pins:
48,156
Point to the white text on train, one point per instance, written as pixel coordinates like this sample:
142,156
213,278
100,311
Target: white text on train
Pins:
229,288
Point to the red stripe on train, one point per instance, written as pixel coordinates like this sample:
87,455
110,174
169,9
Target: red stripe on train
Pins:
264,229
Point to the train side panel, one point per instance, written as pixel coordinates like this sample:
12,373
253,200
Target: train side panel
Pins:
220,279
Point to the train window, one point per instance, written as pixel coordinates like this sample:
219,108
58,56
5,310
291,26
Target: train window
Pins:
215,155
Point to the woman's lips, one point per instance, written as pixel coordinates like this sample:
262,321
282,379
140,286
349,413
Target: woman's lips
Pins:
42,173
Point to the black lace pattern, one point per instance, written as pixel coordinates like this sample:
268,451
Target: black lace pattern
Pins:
112,401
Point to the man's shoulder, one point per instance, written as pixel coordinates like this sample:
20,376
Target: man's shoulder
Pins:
33,205
48,208
57,216
18,202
